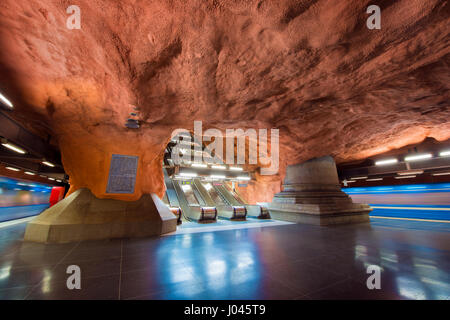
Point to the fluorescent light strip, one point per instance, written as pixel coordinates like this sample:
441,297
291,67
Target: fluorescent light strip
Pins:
359,178
214,176
405,177
419,157
49,164
375,179
12,169
445,153
441,174
52,179
236,169
14,148
185,174
385,162
6,101
30,173
219,167
350,181
408,173
243,178
199,165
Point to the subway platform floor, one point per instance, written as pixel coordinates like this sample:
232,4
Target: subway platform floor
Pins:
291,261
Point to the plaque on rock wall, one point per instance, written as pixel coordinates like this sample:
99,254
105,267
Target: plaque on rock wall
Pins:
122,174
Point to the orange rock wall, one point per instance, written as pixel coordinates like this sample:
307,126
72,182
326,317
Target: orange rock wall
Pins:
309,67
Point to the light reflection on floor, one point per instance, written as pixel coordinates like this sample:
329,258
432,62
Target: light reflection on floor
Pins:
280,262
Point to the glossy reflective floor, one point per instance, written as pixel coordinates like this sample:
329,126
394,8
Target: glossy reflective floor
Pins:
279,262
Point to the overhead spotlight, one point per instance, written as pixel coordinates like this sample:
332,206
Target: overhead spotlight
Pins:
375,179
188,174
405,177
199,165
243,178
445,153
236,169
385,162
219,167
441,174
12,147
359,178
30,173
408,173
6,101
12,169
49,164
216,176
419,157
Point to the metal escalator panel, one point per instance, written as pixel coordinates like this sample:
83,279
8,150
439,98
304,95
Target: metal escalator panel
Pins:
192,195
227,195
215,196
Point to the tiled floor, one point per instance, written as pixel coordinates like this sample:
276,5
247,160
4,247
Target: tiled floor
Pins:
279,262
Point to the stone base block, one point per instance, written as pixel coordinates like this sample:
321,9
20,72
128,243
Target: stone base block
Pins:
322,220
82,216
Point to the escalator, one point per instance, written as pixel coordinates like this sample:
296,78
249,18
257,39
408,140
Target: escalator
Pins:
171,199
234,199
224,208
192,205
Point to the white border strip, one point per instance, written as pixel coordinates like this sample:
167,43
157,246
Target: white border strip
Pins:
228,227
14,222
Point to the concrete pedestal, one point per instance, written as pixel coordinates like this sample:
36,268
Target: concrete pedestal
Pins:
312,194
82,216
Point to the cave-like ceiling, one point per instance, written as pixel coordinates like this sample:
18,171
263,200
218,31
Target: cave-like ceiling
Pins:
310,68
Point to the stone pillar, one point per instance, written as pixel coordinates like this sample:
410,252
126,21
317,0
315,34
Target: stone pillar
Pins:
82,216
312,194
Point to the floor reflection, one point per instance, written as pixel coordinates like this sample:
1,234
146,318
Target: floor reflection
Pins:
280,262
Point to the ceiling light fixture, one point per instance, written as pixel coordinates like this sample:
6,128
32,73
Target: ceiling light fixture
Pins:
405,177
408,173
30,173
215,176
441,174
219,167
243,178
375,179
199,165
6,101
445,153
419,157
386,162
13,147
49,164
236,169
12,169
187,174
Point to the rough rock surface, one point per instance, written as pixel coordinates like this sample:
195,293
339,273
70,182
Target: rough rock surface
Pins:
309,67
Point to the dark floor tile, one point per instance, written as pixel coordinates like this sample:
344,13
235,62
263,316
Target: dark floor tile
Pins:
17,293
22,276
99,288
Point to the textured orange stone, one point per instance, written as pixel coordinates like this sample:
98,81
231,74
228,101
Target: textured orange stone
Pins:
310,68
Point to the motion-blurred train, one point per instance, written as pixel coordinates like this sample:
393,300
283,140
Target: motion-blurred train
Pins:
20,199
415,201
